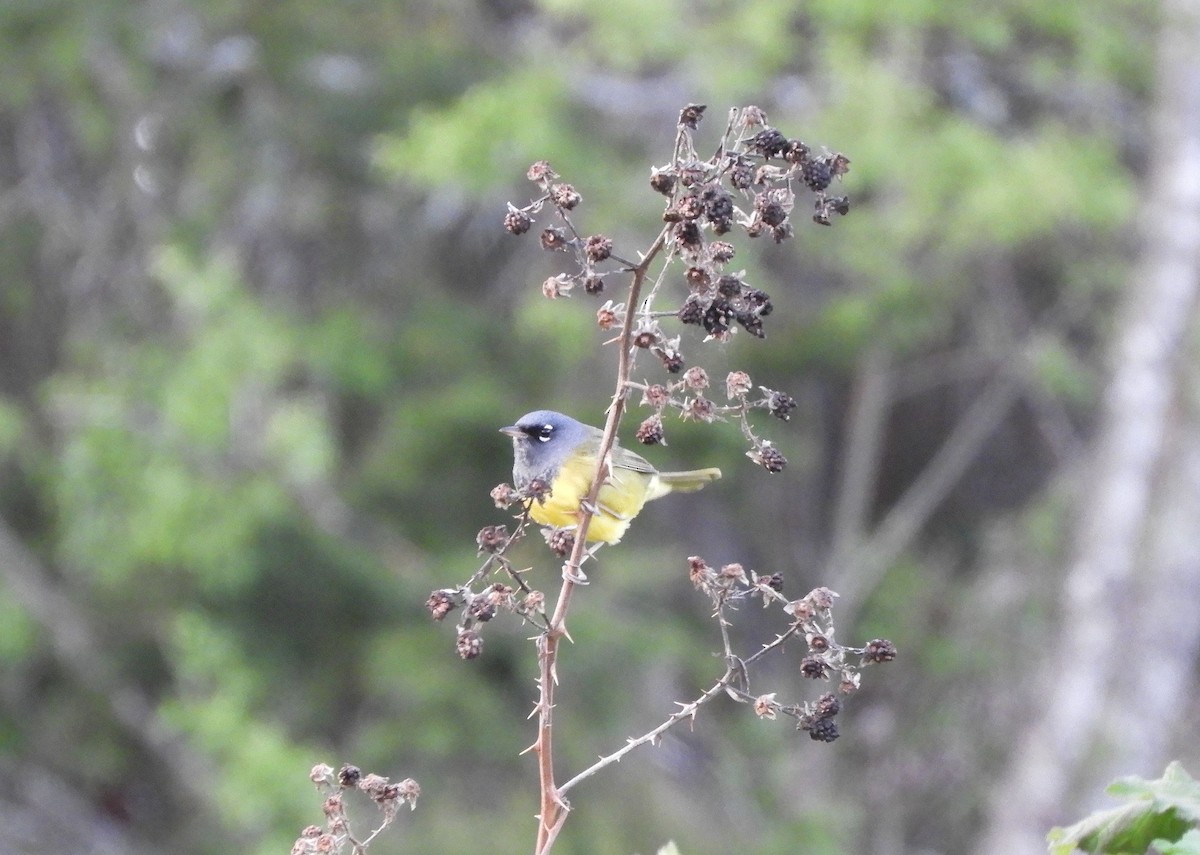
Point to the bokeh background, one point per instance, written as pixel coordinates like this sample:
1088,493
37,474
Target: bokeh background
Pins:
259,323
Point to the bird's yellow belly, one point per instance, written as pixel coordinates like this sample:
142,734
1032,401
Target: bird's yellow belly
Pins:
618,503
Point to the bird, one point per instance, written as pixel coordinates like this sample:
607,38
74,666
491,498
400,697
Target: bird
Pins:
561,452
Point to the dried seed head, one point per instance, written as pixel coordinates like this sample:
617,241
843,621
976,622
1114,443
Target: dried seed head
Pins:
741,175
593,285
817,173
553,238
879,650
752,115
817,642
690,207
541,172
821,598
598,247
717,318
608,315
646,337
656,396
737,384
780,404
692,311
699,572
827,706
751,323
469,644
557,286
662,181
481,610
697,278
650,432
699,409
765,705
504,496
560,540
721,252
349,776
516,221
733,574
532,602
492,538
768,457
729,286
796,152
440,604
814,668
687,236
671,359
565,196
696,378
823,730
768,142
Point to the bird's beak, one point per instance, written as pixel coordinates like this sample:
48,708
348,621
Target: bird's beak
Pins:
513,431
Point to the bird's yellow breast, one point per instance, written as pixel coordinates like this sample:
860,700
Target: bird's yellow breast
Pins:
619,501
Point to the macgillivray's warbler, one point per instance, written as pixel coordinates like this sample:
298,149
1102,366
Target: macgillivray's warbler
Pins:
561,452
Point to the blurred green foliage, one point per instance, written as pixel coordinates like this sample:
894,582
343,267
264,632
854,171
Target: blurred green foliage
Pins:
248,416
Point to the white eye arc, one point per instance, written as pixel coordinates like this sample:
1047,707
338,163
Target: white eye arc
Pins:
545,433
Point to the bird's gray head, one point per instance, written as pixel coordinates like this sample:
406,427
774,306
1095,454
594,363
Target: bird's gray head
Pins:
542,441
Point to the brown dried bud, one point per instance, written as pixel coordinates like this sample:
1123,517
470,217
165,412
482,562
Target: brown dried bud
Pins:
733,573
516,221
814,668
742,176
440,604
538,489
827,706
481,610
553,238
492,538
839,164
322,773
311,831
721,252
697,278
699,572
817,642
374,786
409,791
561,541
752,115
469,644
850,682
689,207
504,496
532,602
349,776
699,409
598,247
646,337
696,378
764,706
801,610
656,396
541,171
662,181
687,235
609,315
879,650
796,152
333,807
565,196
821,598
593,285
671,359
500,595
737,384
690,115
650,432
557,286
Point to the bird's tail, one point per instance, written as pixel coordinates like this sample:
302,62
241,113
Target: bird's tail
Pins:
683,482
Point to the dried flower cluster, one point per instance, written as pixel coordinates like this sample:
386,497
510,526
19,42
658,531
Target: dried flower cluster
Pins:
337,832
812,621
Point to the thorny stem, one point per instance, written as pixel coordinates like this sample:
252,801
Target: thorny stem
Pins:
553,808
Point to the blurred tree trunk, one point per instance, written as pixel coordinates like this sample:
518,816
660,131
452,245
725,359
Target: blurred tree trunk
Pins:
1127,578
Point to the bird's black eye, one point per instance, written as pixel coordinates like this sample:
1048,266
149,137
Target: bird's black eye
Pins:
544,433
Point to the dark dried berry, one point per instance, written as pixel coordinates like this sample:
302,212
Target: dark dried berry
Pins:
760,301
813,668
774,582
691,115
879,650
662,181
672,360
752,324
795,152
687,235
729,286
772,213
817,173
741,175
593,285
481,610
823,730
349,776
839,205
769,142
692,310
491,537
770,458
717,205
690,207
718,317
517,222
780,405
